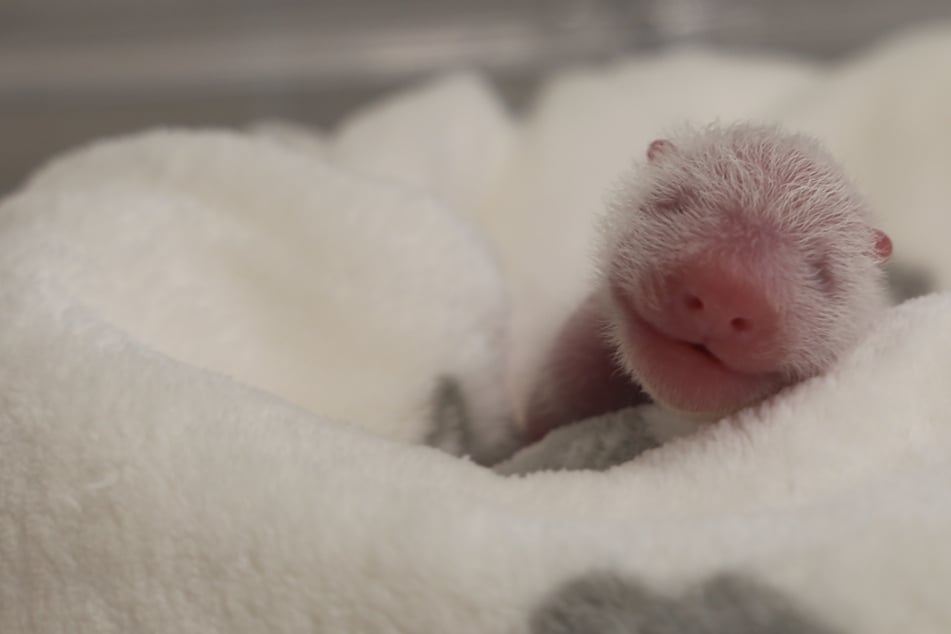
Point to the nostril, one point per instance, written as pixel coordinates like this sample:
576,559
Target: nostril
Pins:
693,303
740,324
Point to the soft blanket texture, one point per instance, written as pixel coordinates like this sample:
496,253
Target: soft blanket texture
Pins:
222,354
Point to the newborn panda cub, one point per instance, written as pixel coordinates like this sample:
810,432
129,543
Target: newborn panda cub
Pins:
736,261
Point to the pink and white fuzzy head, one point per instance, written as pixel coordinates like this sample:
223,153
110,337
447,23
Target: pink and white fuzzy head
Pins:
738,259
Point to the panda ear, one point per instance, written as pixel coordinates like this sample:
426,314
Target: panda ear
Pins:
883,246
657,148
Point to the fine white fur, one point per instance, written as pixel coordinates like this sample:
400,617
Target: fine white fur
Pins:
765,199
217,353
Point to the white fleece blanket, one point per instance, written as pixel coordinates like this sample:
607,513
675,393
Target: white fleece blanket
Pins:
222,354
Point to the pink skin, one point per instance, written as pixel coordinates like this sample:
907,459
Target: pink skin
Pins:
706,335
582,376
713,331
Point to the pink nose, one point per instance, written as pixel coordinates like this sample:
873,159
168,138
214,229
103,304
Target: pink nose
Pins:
710,304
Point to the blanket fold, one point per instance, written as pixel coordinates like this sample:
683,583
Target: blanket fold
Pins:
222,355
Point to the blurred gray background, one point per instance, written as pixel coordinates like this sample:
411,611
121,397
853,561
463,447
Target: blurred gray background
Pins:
72,71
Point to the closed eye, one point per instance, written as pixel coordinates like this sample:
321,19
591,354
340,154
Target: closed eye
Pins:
670,206
822,274
670,201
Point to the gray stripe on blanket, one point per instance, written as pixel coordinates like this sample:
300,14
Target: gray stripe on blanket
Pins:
607,603
906,281
453,429
450,427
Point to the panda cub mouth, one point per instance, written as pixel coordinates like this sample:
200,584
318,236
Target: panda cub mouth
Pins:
702,349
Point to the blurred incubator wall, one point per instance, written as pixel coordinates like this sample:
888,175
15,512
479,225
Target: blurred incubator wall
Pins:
72,71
